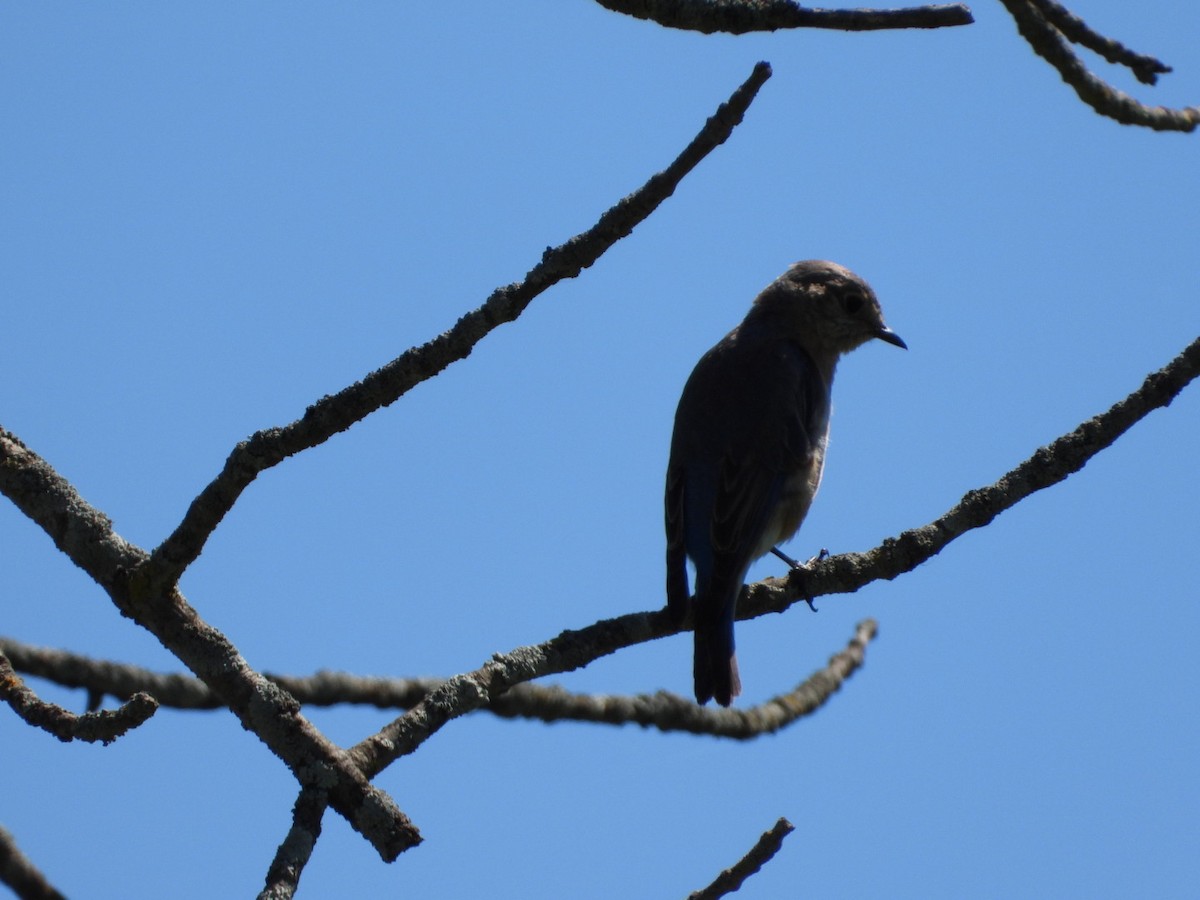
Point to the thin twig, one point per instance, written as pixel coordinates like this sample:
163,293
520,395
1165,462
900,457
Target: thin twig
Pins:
760,854
101,677
1146,69
283,877
1048,42
742,16
105,726
18,872
547,703
670,712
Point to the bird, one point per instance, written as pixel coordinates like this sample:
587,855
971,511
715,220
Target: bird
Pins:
748,448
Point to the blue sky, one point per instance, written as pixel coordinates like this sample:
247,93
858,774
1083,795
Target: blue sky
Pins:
217,213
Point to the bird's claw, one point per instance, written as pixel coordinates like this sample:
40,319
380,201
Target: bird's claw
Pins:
803,567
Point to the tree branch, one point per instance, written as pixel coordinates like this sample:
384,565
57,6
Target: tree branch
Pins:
104,726
572,649
104,677
1146,69
144,586
1048,466
283,877
85,535
382,387
760,854
844,573
670,712
1049,43
548,703
18,872
742,16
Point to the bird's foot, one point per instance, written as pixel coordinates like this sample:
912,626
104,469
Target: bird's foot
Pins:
787,559
797,566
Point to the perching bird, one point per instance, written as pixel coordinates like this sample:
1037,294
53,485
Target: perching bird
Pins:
749,446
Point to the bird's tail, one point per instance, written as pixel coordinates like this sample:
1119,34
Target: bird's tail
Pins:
715,666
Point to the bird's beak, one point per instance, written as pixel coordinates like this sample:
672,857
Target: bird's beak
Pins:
886,334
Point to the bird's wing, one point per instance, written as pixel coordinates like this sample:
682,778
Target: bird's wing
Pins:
778,421
747,420
677,582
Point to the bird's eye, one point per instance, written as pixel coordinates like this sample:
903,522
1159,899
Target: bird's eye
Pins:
854,303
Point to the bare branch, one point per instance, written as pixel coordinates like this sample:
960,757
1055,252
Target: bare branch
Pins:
122,680
742,16
845,573
143,587
547,703
104,677
760,854
19,477
382,387
840,574
104,726
1048,466
176,691
1146,69
470,691
670,712
571,650
1049,43
79,530
283,877
86,536
18,872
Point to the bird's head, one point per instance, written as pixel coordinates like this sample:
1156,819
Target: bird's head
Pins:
824,306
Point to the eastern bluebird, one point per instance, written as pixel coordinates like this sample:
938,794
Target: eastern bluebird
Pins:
749,446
